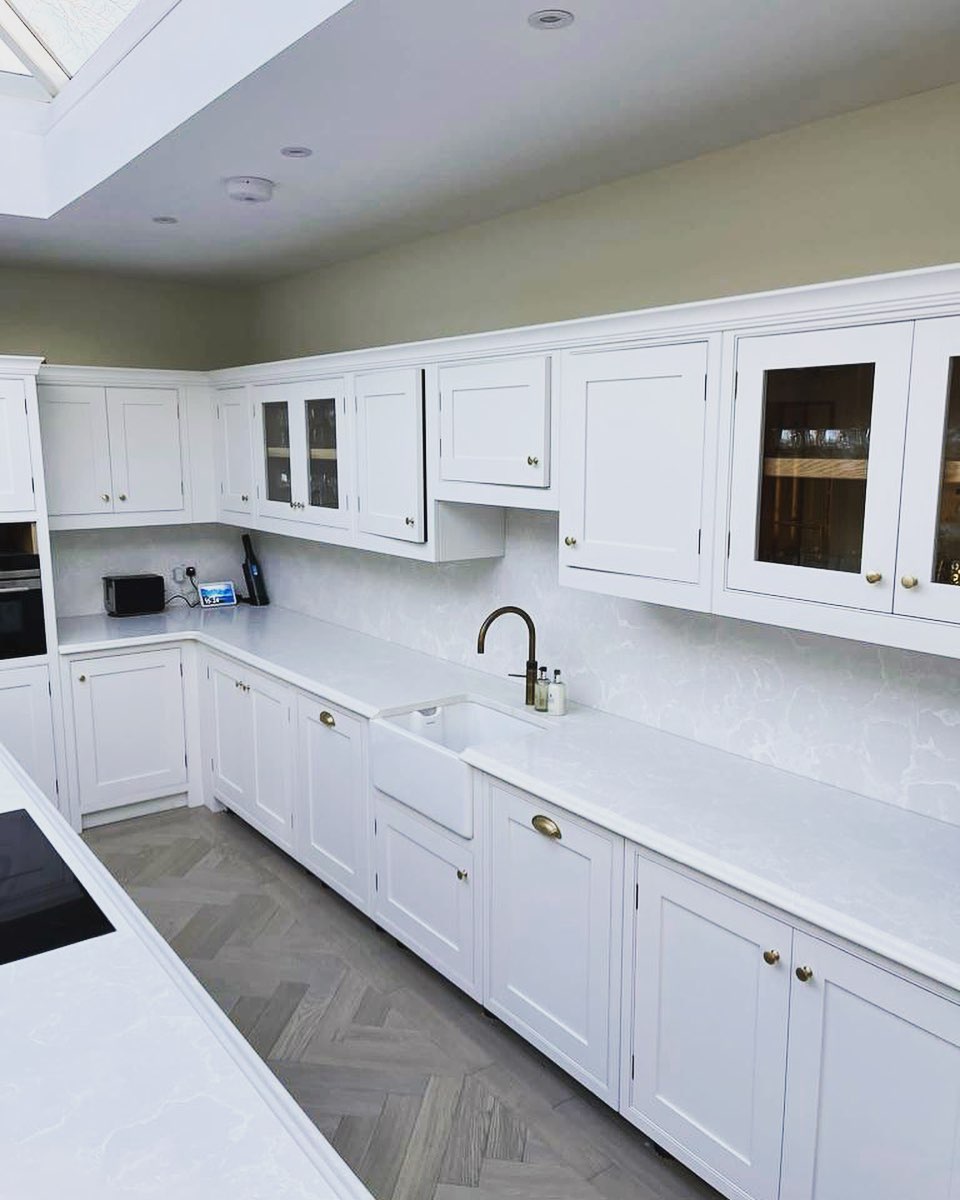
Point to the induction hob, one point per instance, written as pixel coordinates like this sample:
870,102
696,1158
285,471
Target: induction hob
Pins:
43,905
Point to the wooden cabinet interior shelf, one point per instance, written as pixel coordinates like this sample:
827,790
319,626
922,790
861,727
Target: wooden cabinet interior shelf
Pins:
951,470
816,468
327,454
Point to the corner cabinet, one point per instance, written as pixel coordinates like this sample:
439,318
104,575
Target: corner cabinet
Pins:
636,447
233,460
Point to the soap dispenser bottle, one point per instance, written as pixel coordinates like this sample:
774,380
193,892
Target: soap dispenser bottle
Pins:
557,696
541,691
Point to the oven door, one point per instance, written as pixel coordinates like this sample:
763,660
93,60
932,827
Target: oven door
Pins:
22,631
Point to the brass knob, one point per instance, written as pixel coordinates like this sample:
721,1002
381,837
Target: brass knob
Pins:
409,521
461,875
569,541
82,678
771,957
122,496
327,718
873,577
545,826
909,581
532,460
105,497
804,974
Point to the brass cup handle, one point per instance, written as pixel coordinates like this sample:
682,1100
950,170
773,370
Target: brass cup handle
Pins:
328,719
569,541
462,875
909,581
545,826
532,460
804,974
771,957
873,577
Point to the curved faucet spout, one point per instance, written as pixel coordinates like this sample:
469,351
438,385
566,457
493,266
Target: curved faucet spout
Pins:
531,672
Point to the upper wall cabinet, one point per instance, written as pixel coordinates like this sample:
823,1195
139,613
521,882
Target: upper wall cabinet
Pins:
818,435
391,497
16,473
234,462
112,453
635,472
300,443
496,432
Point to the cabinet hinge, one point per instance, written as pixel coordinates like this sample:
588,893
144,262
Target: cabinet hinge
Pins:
56,786
178,410
49,687
221,489
736,383
376,882
33,485
705,389
182,492
181,670
636,896
728,543
633,1065
374,826
699,539
212,767
185,758
218,412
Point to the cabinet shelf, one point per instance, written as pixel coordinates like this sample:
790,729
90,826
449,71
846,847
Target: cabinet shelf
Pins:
816,468
951,470
324,454
278,452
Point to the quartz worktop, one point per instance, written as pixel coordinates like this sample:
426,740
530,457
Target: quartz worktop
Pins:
885,878
121,1077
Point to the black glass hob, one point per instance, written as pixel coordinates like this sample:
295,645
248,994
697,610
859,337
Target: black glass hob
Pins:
43,905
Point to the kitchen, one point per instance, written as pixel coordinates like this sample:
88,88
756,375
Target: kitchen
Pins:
692,932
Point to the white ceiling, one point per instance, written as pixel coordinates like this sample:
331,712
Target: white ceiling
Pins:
428,114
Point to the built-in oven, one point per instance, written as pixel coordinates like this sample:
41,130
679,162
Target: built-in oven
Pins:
22,630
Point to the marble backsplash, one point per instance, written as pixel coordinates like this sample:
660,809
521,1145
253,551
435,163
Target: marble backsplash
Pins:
882,722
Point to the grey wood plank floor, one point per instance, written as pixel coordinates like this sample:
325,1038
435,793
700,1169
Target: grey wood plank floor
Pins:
424,1096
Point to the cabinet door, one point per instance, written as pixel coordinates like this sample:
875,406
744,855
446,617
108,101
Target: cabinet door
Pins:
274,441
145,455
234,462
26,725
390,487
708,1022
632,476
425,890
873,1084
128,714
272,802
495,422
16,473
331,814
928,553
817,456
228,720
76,449
555,916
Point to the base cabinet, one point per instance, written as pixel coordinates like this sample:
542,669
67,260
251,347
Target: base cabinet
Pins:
128,719
331,833
249,735
26,726
554,934
873,1084
425,891
706,1033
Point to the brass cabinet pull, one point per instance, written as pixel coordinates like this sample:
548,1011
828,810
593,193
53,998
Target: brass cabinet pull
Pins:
105,497
873,577
545,826
804,974
461,875
771,957
409,521
532,460
909,581
327,718
569,541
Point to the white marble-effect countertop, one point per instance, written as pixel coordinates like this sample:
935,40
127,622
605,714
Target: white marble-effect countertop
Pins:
119,1076
883,877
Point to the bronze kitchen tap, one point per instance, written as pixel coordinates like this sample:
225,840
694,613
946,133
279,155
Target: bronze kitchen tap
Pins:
530,675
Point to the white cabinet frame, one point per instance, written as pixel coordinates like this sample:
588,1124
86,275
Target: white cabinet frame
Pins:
16,470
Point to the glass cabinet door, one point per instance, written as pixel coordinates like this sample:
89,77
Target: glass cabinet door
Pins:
928,561
818,436
278,462
323,481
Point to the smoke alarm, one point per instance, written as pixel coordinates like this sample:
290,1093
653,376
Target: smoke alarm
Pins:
248,189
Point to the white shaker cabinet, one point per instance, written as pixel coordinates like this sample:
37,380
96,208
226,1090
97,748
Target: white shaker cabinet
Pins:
26,724
76,449
16,472
634,463
391,499
234,446
873,1083
331,834
706,1003
248,739
495,423
128,723
555,910
425,891
145,451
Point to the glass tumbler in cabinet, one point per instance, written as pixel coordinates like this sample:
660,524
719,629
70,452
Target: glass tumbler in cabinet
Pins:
818,435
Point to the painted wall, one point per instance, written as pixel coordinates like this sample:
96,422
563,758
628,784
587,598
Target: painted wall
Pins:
865,192
111,320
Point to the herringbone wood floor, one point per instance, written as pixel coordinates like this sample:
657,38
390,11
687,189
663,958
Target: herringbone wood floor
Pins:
425,1097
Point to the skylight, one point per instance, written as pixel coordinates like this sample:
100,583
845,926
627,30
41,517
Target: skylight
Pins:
9,63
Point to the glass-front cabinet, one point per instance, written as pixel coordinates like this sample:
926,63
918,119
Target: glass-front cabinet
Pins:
817,460
928,562
300,432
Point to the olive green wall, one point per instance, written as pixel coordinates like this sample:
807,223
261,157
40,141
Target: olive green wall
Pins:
111,320
871,191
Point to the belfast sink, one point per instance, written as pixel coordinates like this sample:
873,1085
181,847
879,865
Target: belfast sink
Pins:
415,756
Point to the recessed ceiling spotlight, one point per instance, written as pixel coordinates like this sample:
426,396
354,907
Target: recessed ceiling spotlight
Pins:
296,151
249,189
165,220
550,18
